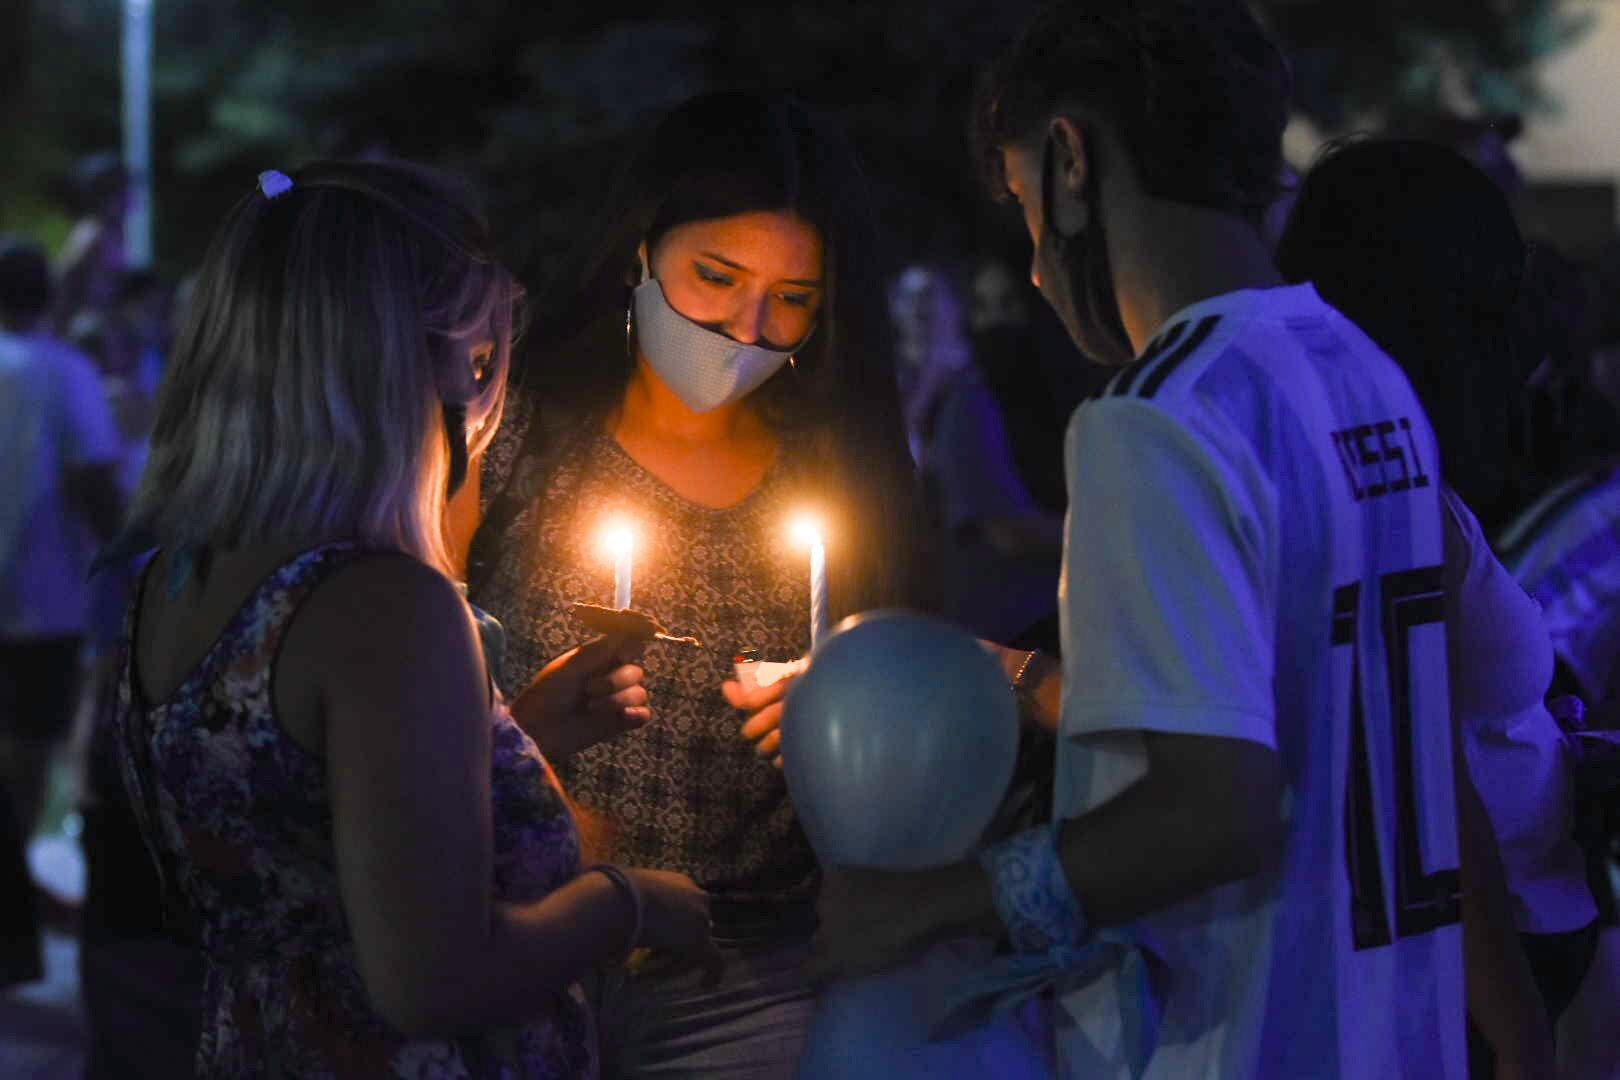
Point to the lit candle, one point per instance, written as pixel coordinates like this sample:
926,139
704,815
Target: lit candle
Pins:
620,544
809,534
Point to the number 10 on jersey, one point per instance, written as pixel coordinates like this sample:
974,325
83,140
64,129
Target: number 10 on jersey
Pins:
1398,778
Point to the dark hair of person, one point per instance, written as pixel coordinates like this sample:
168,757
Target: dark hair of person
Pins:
712,157
1573,423
25,282
1606,284
1195,89
1420,249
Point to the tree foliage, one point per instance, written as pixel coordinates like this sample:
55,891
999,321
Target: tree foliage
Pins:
537,101
1376,62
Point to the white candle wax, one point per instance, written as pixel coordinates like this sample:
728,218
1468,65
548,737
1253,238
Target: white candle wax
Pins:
818,593
621,578
621,545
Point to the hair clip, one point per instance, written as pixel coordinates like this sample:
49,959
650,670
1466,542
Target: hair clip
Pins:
274,182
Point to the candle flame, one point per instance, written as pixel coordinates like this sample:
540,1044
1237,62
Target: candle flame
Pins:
807,531
619,541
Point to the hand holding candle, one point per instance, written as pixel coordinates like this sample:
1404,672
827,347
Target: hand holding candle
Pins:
761,686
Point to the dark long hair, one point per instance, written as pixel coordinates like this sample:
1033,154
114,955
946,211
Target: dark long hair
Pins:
716,156
1420,249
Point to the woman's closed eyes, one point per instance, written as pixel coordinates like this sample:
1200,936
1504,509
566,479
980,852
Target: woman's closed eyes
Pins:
709,275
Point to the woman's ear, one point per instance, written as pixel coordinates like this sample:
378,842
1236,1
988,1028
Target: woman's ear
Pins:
1070,160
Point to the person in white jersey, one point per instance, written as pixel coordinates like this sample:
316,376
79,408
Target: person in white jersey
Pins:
1255,772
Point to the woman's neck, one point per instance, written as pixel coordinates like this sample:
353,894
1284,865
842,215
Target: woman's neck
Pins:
714,459
650,409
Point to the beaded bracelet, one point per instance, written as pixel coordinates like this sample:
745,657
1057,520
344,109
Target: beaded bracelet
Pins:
1023,669
1032,893
1024,689
621,882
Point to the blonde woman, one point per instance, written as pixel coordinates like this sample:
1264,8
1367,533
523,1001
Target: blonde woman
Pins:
379,865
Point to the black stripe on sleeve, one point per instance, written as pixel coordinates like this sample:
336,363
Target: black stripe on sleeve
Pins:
1200,334
1155,349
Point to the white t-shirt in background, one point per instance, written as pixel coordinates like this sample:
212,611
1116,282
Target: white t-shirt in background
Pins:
43,587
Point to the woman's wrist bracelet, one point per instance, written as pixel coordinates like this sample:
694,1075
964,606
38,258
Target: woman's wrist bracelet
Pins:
1024,690
1023,669
621,882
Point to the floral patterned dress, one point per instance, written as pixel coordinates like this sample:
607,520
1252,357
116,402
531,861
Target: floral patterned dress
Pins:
237,816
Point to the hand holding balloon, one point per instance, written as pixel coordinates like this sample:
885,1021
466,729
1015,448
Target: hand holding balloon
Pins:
899,743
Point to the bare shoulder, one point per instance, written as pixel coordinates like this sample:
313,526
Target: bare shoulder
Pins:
380,628
384,604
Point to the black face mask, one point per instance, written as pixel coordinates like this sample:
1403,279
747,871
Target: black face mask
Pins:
1075,276
455,430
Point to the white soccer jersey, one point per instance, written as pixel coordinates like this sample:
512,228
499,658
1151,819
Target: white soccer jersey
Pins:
1254,550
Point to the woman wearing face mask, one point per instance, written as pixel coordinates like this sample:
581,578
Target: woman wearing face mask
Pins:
712,366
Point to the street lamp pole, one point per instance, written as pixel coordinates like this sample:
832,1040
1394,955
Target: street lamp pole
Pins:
136,62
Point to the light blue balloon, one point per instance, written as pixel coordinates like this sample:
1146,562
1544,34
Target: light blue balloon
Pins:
898,742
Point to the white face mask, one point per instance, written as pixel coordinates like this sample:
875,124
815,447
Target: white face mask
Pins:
704,368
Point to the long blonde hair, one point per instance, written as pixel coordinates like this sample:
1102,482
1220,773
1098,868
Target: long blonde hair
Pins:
304,401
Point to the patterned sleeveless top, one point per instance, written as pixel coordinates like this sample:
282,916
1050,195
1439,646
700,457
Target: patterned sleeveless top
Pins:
685,792
237,815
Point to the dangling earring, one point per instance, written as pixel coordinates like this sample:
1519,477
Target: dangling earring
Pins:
455,431
793,363
630,305
629,352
